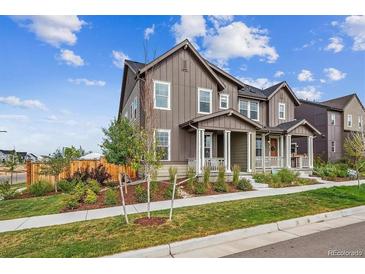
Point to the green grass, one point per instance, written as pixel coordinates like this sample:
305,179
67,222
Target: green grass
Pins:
18,185
18,208
111,235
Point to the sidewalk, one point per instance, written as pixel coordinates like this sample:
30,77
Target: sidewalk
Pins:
65,218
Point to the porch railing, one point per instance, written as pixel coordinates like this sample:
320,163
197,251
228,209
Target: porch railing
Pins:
300,161
270,161
213,163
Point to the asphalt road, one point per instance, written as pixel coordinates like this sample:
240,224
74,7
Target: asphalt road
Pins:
17,177
337,242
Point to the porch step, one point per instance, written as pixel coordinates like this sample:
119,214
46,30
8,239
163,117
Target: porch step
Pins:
255,185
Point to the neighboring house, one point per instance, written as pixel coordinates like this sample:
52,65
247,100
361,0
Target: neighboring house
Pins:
23,156
207,117
91,156
336,119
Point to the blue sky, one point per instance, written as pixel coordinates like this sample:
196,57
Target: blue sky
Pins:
61,76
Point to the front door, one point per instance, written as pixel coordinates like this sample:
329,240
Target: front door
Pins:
274,147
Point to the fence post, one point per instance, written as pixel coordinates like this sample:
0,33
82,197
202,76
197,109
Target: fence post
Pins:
29,173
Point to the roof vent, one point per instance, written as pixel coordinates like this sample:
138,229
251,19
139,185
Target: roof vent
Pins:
185,65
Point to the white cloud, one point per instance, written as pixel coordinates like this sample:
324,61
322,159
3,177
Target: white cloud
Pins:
220,20
148,32
259,82
190,27
87,82
334,74
335,45
354,26
119,58
17,102
52,29
279,73
70,58
308,93
305,76
15,117
238,40
322,81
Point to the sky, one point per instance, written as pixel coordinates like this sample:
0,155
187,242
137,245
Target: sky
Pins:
61,75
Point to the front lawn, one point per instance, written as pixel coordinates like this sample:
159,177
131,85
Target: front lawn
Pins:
111,235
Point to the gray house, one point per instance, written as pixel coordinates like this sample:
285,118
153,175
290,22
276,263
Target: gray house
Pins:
336,119
207,117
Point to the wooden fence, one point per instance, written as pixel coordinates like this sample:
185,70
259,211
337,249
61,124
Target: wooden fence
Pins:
34,170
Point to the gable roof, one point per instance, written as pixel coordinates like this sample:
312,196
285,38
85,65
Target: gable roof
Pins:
289,126
134,66
228,112
184,44
271,91
320,105
341,102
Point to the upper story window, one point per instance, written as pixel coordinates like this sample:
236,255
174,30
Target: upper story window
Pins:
349,120
162,137
333,119
360,121
249,109
223,101
333,146
133,108
161,95
282,111
204,101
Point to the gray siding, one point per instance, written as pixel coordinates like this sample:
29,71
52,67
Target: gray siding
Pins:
335,133
282,96
354,108
226,122
239,150
301,131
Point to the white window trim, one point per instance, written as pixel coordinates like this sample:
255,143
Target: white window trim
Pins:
262,152
349,119
295,148
211,143
168,95
333,148
249,108
333,118
359,121
169,142
210,103
284,105
220,100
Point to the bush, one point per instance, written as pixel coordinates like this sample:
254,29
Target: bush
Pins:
191,178
94,186
99,174
40,188
262,178
220,185
153,188
236,175
200,187
90,197
285,176
79,191
206,176
71,201
141,194
66,186
111,197
331,170
244,184
6,192
172,173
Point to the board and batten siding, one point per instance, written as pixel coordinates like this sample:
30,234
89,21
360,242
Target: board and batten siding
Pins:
239,153
301,131
226,122
282,96
335,133
354,108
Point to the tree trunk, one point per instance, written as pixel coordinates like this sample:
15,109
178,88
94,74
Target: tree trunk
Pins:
148,197
173,197
11,177
123,201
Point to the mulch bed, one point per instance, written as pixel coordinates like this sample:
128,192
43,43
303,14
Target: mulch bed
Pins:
152,221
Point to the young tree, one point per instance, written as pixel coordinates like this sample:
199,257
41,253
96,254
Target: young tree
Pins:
355,153
11,163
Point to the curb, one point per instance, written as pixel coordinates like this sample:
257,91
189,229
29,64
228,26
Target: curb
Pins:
174,248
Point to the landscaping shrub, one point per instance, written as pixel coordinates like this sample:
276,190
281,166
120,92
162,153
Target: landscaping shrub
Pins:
199,187
206,176
79,191
172,173
331,170
261,178
236,175
66,186
71,201
40,188
285,176
141,194
191,178
111,197
153,188
94,186
220,185
6,192
244,184
90,197
99,174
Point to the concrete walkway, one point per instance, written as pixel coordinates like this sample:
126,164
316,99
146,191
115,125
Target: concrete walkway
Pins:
65,218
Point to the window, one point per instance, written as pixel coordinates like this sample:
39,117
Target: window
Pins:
204,101
162,137
258,147
281,111
333,146
134,108
249,109
223,101
161,93
208,145
293,148
333,119
126,114
360,121
349,120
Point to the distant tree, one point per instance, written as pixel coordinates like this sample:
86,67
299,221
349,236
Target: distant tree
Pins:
72,153
355,152
11,163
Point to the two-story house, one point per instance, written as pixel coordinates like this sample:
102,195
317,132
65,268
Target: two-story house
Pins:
207,117
336,119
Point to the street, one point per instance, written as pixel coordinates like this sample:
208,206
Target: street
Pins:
17,177
336,242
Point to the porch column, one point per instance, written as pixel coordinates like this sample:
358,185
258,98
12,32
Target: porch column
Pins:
310,151
202,156
199,150
288,151
281,151
227,150
263,145
248,151
253,151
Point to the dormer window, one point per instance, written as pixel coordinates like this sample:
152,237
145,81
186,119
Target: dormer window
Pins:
223,101
282,111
